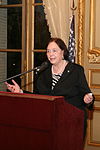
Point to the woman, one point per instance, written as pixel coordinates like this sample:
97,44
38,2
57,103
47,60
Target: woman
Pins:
62,78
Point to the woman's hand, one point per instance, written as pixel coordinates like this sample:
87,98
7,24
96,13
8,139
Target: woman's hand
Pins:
88,98
13,88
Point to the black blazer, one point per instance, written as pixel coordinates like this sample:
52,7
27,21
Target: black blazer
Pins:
72,84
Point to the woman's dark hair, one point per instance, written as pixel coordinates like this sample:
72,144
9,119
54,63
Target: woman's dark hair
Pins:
61,45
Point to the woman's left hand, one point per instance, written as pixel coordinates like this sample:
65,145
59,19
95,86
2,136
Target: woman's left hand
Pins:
88,98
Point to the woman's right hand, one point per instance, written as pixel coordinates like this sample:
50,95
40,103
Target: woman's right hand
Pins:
13,88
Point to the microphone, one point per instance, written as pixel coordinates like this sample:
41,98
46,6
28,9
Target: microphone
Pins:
43,66
38,69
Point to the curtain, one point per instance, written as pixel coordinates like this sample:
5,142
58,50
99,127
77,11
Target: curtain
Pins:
57,15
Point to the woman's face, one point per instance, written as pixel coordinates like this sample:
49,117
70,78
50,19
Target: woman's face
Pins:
54,53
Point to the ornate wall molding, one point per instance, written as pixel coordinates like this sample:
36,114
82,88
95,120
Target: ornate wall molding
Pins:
94,140
94,56
94,81
94,51
81,16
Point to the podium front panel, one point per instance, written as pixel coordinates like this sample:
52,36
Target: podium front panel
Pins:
38,122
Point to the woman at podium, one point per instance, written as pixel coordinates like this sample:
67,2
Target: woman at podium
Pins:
62,78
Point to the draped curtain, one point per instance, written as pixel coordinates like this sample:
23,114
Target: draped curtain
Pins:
57,15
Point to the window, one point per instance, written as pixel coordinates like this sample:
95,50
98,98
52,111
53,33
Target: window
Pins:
24,34
10,39
41,33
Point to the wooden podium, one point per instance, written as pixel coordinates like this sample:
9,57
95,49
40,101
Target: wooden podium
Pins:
38,122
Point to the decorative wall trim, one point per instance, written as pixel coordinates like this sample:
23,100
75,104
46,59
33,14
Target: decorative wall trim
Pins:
81,16
97,97
91,139
94,56
93,52
94,73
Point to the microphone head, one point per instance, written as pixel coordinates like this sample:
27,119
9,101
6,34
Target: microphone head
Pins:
43,66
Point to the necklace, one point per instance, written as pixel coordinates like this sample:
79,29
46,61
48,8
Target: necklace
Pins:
59,69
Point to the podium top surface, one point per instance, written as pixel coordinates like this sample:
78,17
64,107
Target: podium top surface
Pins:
24,95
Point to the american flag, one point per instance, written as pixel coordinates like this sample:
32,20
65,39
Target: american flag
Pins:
71,43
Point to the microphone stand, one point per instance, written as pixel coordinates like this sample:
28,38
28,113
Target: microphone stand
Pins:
36,68
43,66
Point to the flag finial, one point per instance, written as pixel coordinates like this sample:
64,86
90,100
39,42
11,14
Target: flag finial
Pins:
73,7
